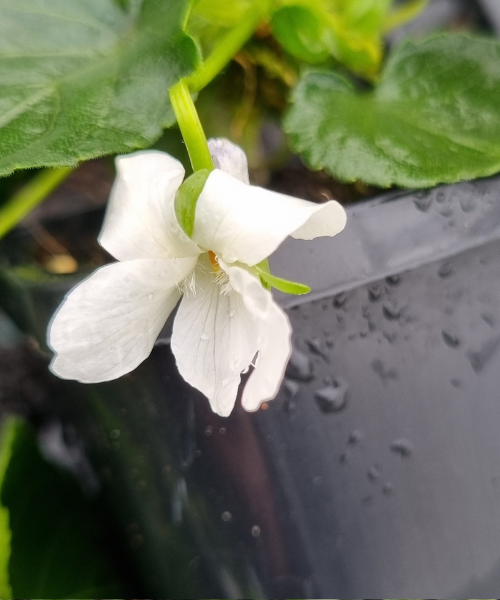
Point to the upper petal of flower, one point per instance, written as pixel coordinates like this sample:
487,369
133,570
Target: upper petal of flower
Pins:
214,339
107,325
229,157
245,223
140,220
274,340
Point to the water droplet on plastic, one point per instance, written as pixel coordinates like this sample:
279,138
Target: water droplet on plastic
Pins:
374,292
355,436
332,398
226,381
255,531
343,458
374,474
445,270
467,204
291,387
329,342
391,311
151,296
232,312
226,516
456,382
393,279
450,338
480,358
209,430
314,345
423,201
488,318
384,374
204,336
339,300
222,431
401,446
388,488
114,434
300,366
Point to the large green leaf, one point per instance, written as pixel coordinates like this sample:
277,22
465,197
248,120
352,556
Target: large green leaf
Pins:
58,549
434,117
86,78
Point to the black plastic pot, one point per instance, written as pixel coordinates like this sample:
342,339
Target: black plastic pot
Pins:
375,472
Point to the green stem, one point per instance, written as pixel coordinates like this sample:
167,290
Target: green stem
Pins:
226,49
29,196
190,126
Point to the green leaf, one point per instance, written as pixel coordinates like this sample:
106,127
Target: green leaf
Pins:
84,79
58,550
434,117
283,285
302,33
187,197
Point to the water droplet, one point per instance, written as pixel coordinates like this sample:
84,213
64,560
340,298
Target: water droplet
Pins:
422,201
226,381
445,270
232,312
456,382
367,500
391,310
332,398
209,430
114,434
314,345
374,292
450,338
393,279
467,204
291,387
488,318
480,358
355,436
343,458
401,446
204,336
255,531
329,342
384,374
446,210
339,300
388,488
151,296
226,516
300,366
374,473
440,197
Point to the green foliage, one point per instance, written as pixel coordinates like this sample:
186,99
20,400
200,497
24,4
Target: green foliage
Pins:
433,118
57,550
84,79
187,197
348,30
8,434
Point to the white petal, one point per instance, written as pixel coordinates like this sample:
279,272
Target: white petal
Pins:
245,223
140,220
230,158
214,339
274,342
107,324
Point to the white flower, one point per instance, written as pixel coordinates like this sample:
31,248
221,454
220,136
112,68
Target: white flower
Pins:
107,325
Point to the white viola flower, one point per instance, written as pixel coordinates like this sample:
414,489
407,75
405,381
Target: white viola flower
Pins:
226,321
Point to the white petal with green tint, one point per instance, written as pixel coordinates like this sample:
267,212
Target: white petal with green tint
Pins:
107,325
246,223
140,220
214,338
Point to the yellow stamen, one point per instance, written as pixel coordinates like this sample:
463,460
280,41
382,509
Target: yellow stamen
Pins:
213,260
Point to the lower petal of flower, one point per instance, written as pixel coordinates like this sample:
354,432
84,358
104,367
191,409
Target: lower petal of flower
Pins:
214,339
107,325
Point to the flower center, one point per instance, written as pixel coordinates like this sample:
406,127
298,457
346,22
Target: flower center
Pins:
213,260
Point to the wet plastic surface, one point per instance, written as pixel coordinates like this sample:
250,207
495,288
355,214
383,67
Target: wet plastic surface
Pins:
376,471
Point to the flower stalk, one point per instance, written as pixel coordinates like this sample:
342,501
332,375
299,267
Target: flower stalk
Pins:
190,126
